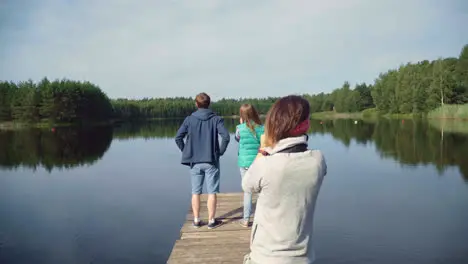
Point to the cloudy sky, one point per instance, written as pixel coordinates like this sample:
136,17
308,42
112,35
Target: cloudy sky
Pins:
227,48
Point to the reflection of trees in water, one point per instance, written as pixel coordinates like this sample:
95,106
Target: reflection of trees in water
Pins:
344,130
152,129
158,128
64,148
409,142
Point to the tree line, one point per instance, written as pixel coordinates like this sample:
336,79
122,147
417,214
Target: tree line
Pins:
411,88
57,101
181,107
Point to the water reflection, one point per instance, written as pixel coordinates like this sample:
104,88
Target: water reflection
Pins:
157,128
63,148
409,142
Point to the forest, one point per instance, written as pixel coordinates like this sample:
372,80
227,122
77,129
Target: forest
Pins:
62,101
413,88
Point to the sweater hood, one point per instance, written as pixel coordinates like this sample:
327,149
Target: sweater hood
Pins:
204,114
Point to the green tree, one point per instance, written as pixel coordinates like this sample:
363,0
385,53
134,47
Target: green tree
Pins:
365,97
7,93
462,69
440,88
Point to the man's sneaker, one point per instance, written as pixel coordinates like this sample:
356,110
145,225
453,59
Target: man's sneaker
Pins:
244,223
216,223
197,224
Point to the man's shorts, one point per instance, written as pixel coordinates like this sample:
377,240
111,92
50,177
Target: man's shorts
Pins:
199,172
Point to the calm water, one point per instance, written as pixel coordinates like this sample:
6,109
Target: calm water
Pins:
395,193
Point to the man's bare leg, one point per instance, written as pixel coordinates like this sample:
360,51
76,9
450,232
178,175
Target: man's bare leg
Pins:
196,206
211,204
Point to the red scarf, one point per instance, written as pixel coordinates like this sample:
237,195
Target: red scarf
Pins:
301,128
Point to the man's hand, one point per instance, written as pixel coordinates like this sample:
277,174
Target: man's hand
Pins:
225,137
180,135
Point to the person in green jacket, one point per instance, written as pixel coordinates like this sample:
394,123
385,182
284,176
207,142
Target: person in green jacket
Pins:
248,134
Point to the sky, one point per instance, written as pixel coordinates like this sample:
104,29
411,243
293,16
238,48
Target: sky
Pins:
226,48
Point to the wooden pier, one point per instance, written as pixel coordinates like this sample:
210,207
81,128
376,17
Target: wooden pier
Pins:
227,243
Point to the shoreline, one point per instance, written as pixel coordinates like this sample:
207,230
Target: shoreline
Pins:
13,125
361,115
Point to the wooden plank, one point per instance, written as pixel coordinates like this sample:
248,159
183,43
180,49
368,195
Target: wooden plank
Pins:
228,225
229,233
222,214
210,251
229,206
227,243
225,240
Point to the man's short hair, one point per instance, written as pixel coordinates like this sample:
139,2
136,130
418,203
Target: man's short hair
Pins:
203,100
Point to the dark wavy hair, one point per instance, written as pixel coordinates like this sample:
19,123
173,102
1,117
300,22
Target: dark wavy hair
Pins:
285,115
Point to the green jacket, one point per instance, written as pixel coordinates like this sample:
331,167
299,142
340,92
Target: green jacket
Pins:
249,143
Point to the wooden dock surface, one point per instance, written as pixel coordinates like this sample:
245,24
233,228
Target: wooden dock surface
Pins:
226,244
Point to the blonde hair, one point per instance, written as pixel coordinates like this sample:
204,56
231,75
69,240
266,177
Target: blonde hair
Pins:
249,115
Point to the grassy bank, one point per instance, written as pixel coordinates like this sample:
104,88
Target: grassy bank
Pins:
373,112
455,112
366,114
458,112
450,112
333,115
20,125
15,125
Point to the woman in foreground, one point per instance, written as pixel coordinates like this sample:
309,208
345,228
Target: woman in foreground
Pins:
288,178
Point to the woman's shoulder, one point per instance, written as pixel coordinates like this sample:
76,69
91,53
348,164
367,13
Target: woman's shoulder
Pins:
316,153
320,158
240,125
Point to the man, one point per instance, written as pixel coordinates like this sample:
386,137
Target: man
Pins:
201,152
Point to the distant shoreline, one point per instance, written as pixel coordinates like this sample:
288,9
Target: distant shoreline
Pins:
360,115
17,125
447,112
388,116
14,125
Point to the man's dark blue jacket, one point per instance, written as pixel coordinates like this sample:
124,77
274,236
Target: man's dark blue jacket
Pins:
202,129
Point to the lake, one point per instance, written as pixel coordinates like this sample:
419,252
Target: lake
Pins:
396,192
